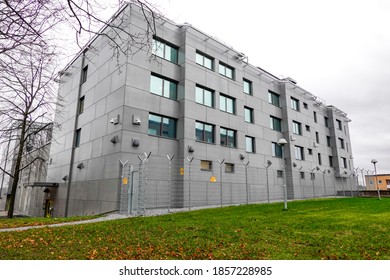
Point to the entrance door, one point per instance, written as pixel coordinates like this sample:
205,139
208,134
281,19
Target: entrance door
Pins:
48,208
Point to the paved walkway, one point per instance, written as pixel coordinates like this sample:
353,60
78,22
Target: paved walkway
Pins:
101,219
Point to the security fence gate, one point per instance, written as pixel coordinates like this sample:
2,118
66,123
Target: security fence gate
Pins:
170,184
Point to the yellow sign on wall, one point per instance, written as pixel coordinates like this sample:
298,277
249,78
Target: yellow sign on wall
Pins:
181,170
213,179
125,181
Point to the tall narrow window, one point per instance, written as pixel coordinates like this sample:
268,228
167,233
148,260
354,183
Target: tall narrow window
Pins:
204,132
204,60
339,125
248,114
317,137
226,71
204,96
315,116
328,139
294,104
163,87
341,143
247,87
274,98
165,50
275,123
299,153
84,74
226,104
228,137
81,105
277,150
249,144
162,126
297,128
326,121
330,161
77,138
319,159
344,161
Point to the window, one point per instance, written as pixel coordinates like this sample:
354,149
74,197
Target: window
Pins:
310,151
226,70
276,123
81,105
249,144
164,50
302,174
319,159
299,153
277,150
344,161
226,104
297,129
274,98
247,87
341,143
206,165
326,121
294,104
279,173
162,126
315,116
204,60
330,161
204,132
228,137
77,138
328,139
163,87
317,137
248,114
312,176
339,125
305,106
204,96
229,167
307,128
84,74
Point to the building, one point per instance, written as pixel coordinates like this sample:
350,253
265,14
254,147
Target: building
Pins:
195,98
32,197
381,180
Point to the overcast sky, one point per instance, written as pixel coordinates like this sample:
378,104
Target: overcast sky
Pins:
338,50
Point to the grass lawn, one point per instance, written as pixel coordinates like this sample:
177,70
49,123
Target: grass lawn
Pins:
346,228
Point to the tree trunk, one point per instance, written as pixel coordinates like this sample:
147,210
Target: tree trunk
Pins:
17,170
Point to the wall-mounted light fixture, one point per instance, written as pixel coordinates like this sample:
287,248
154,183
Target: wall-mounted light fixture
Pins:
115,139
80,165
135,142
191,149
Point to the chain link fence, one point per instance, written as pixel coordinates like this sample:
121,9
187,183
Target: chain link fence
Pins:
171,183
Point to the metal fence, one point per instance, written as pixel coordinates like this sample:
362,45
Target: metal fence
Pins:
169,183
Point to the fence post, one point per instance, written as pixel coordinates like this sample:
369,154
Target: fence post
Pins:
170,158
143,182
312,179
323,177
220,173
121,191
266,174
189,181
246,181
